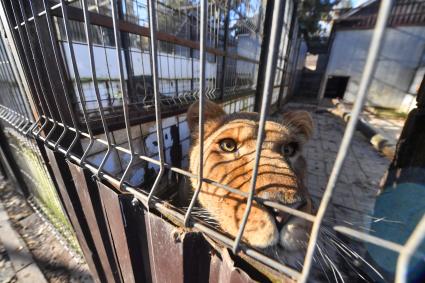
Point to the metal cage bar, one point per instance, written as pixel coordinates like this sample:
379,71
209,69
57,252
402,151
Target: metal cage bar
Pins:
203,39
154,68
61,75
15,113
272,53
125,98
48,72
88,31
369,69
408,250
9,76
77,78
23,86
36,78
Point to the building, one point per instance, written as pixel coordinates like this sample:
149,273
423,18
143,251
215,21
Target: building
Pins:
398,74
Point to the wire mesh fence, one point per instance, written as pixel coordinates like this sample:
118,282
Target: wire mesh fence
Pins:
38,183
108,83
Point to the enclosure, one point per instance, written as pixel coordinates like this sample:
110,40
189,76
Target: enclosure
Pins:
94,130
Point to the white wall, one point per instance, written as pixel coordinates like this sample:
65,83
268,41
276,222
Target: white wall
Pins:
401,57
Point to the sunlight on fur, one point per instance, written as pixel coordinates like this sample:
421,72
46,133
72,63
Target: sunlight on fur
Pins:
229,154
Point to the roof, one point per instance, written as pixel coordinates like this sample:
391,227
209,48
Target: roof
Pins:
404,12
357,9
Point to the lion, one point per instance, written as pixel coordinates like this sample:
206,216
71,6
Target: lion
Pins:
229,154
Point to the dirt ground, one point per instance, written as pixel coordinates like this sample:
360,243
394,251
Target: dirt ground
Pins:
54,260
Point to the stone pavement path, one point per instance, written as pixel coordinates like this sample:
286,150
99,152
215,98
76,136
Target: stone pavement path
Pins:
29,249
7,273
355,194
358,183
16,261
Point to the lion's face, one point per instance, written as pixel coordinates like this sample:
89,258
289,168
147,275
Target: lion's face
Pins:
229,154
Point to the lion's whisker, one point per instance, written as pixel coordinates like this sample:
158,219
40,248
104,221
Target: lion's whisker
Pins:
323,269
355,254
345,258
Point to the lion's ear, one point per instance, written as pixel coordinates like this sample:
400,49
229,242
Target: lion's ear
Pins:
211,111
300,122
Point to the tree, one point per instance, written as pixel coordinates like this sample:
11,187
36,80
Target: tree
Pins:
311,13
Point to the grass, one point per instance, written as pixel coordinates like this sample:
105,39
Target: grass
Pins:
41,186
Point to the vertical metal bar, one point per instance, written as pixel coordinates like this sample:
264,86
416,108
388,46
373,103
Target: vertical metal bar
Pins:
263,53
4,80
203,42
24,79
15,74
225,43
43,55
191,54
412,244
286,52
12,78
36,78
159,133
77,78
12,91
61,75
369,69
16,118
272,54
87,27
154,63
3,109
4,112
8,94
125,43
125,99
10,117
8,77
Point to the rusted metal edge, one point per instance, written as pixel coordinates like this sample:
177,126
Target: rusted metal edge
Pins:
74,213
92,211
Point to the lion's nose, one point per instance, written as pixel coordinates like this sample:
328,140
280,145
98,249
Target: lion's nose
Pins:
281,217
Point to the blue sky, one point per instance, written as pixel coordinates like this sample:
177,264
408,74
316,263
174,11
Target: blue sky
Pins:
357,2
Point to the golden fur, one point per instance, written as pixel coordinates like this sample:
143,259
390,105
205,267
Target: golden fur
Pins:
280,177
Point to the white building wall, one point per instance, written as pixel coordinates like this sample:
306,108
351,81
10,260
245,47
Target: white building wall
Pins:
402,57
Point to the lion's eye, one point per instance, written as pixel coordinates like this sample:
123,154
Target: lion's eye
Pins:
290,149
228,145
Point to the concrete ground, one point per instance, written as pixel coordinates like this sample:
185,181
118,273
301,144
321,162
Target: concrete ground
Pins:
390,127
16,261
387,123
29,249
355,194
358,182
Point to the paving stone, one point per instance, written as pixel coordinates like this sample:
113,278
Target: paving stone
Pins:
31,274
359,179
20,258
7,274
15,246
